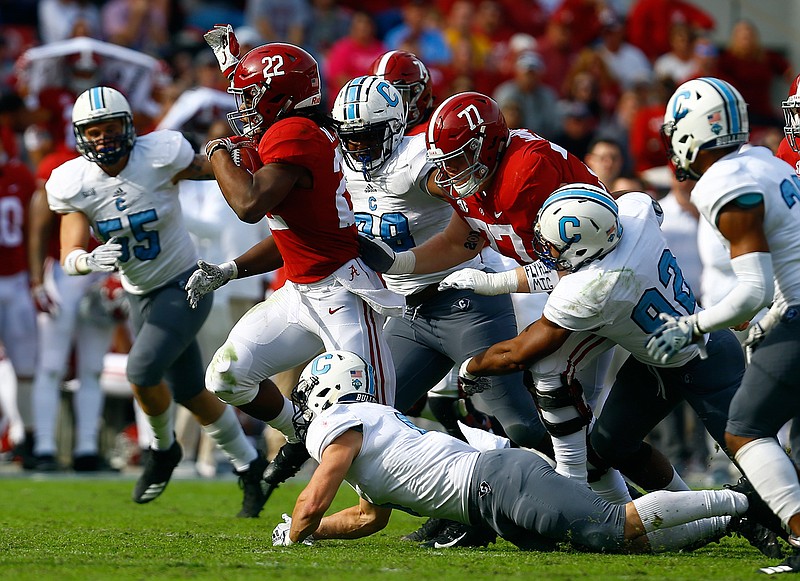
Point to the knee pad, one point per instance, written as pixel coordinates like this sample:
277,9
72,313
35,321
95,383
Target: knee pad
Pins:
555,405
223,383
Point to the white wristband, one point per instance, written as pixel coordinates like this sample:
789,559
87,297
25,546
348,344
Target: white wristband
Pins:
462,371
75,262
503,282
404,263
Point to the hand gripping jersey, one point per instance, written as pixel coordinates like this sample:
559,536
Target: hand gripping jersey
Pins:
393,207
314,228
531,169
754,170
620,296
418,469
140,207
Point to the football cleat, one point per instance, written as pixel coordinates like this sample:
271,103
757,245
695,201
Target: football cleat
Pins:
251,481
158,467
46,463
789,565
758,511
757,535
429,530
287,463
455,534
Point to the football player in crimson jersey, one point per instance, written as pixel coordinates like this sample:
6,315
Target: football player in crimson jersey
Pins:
18,330
124,188
789,148
331,299
411,78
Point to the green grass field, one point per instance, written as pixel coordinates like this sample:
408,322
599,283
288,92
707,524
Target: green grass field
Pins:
73,528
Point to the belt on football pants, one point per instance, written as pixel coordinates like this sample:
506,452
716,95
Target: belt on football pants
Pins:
427,293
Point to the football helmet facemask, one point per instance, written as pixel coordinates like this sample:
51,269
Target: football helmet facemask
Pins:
331,378
704,113
466,138
580,222
270,82
100,105
791,114
411,78
370,120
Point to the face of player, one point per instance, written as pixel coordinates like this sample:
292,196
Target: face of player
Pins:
105,135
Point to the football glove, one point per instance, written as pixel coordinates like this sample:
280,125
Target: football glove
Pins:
207,278
101,259
223,42
226,143
760,329
280,534
483,283
672,336
469,383
42,300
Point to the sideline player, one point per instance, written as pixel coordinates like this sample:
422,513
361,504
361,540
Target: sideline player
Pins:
751,199
331,299
125,189
391,463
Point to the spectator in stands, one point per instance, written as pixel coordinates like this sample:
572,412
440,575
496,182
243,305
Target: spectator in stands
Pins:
646,146
605,158
137,24
279,20
751,68
329,23
590,81
352,55
537,101
627,63
459,32
59,19
617,126
555,48
577,127
706,59
416,35
679,63
650,21
584,18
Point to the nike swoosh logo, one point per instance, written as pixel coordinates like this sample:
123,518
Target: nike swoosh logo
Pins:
497,214
450,543
332,311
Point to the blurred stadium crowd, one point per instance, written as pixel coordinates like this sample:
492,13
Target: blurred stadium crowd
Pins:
591,75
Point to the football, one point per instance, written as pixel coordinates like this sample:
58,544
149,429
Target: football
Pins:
245,154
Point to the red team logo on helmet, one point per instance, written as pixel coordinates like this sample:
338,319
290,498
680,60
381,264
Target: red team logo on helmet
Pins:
410,77
270,82
466,138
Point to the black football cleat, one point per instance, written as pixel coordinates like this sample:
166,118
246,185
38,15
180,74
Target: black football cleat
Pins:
429,530
788,565
287,463
758,510
251,481
158,468
757,535
455,534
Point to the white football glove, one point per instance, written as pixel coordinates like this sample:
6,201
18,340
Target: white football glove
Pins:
226,143
280,534
675,334
759,330
483,283
470,383
101,259
207,278
223,42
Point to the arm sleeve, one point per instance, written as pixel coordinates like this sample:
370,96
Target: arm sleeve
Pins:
754,290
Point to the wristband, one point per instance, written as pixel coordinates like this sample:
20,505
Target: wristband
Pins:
230,268
217,146
462,371
404,263
75,262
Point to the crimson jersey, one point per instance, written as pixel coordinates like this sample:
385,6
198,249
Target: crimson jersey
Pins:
314,228
530,170
49,162
16,189
788,155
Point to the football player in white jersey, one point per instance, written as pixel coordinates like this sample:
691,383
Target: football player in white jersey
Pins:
124,188
391,463
751,200
617,276
385,172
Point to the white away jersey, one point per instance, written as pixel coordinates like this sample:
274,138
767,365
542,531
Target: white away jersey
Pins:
400,465
140,207
394,208
620,296
754,170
